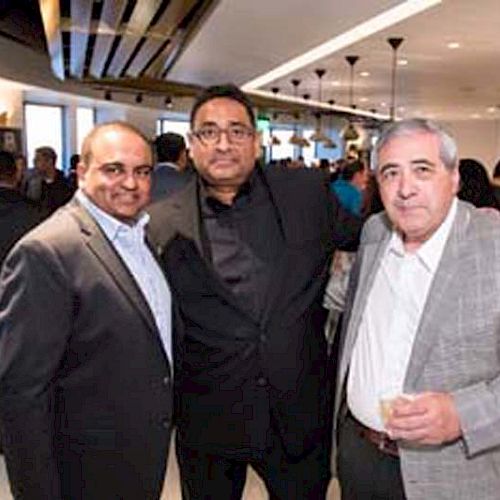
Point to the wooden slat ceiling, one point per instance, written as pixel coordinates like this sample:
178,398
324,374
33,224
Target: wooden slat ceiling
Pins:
102,39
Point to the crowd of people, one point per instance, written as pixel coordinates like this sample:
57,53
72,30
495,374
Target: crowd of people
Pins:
303,323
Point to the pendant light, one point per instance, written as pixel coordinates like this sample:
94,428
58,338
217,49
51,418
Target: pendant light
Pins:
395,43
350,133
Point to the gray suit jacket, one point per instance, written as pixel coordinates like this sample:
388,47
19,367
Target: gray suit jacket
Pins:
85,384
456,350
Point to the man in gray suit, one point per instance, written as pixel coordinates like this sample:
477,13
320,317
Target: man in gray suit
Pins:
85,338
417,414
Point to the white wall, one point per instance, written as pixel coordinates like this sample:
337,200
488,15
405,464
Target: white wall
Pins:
478,139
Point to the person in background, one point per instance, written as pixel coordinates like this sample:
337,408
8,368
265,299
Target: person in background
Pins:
350,186
247,251
85,338
72,174
17,214
170,173
22,167
416,411
45,184
475,185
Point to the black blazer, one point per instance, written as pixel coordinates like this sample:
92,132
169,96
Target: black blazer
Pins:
17,217
234,373
85,390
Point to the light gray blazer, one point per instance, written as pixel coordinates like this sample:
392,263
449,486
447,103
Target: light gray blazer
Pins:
456,350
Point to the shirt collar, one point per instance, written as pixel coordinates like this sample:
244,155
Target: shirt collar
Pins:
109,224
430,252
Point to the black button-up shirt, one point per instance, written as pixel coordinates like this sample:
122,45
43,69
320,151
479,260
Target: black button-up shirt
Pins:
243,240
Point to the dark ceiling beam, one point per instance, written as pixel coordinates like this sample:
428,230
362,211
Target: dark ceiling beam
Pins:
51,17
181,39
109,24
81,11
142,15
162,31
145,85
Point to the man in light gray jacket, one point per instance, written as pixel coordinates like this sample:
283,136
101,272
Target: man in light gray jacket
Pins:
417,414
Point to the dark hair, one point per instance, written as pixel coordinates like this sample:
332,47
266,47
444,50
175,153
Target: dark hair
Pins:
74,161
169,146
351,168
8,170
47,152
496,172
226,91
475,186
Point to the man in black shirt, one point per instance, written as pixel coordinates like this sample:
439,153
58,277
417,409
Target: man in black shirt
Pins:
247,252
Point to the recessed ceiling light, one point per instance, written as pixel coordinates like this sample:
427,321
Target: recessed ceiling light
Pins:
491,109
383,104
475,116
363,99
336,83
453,45
402,62
401,109
363,30
364,73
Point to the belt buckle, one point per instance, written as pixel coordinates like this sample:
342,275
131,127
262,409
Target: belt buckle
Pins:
382,444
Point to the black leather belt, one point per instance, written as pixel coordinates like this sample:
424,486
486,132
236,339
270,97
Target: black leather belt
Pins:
381,440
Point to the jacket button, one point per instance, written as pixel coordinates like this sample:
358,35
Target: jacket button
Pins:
262,381
263,338
165,423
166,380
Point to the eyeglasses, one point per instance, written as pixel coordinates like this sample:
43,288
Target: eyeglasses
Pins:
117,171
211,134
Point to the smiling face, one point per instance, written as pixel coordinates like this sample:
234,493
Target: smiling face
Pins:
224,162
117,176
415,186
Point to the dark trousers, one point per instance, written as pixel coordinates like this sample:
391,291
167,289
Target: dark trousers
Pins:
205,476
366,473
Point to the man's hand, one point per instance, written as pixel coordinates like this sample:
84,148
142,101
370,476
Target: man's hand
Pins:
427,418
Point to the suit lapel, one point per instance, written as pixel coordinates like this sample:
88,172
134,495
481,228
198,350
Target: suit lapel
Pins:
112,263
432,314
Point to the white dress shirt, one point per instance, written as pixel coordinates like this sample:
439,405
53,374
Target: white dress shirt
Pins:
382,349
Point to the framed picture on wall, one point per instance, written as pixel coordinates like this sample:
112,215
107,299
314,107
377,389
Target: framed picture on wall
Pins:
11,140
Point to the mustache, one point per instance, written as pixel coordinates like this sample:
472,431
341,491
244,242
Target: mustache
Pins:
223,157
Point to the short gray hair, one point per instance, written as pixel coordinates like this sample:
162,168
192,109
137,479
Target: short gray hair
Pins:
448,151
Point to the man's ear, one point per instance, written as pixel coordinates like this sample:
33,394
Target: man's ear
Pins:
257,144
81,170
456,180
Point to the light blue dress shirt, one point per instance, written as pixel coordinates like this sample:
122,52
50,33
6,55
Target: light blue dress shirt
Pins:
129,242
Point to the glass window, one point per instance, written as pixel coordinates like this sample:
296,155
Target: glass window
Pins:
44,127
85,120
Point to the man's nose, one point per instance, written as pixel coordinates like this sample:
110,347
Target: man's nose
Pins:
406,187
223,143
130,181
